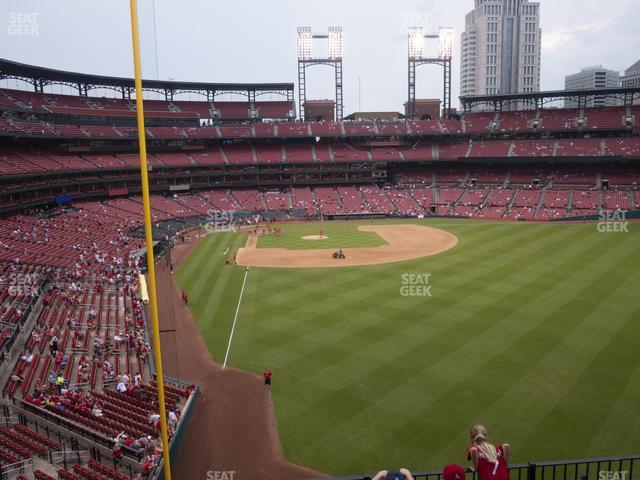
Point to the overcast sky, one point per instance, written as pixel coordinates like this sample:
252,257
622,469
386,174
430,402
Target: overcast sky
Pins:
254,41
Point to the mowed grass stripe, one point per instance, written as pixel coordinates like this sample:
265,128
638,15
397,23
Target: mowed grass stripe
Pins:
191,269
210,262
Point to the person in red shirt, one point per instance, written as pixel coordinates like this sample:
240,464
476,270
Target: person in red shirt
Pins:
491,462
453,471
185,297
267,378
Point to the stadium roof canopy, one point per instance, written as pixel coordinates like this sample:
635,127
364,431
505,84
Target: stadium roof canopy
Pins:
40,77
537,100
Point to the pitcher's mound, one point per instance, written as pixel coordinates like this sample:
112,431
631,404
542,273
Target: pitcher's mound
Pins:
315,237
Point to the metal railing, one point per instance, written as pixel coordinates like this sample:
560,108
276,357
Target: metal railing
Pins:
605,468
24,467
69,457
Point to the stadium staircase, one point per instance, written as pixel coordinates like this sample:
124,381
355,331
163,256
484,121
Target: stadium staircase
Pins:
224,155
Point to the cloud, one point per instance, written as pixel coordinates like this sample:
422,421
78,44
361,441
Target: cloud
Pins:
563,37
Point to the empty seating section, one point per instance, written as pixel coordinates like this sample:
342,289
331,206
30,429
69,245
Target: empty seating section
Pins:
302,198
241,154
490,149
275,109
249,200
393,129
488,177
236,132
424,197
618,201
211,157
299,154
629,147
479,122
418,152
556,198
270,154
385,154
264,129
404,202
500,198
586,199
578,148
575,178
491,212
221,200
532,148
327,200
346,153
449,196
293,130
453,150
326,129
175,159
622,178
603,118
451,126
277,201
352,200
356,129
455,177
377,200
420,127
515,121
558,119
415,178
323,152
528,198
195,204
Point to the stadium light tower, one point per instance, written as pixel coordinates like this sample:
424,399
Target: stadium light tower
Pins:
306,59
416,42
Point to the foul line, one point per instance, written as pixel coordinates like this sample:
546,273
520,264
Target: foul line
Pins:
235,318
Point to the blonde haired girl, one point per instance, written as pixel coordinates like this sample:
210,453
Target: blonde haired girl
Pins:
490,461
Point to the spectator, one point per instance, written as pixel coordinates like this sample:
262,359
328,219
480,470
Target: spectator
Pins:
402,474
53,346
489,461
453,472
267,378
121,387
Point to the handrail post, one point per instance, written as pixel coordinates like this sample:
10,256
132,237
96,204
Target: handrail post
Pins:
531,471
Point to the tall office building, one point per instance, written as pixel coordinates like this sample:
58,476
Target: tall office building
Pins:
501,48
592,78
631,78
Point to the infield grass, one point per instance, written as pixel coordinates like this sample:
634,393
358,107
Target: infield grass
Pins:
339,235
531,329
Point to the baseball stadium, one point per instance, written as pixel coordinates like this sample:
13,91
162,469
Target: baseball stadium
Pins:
205,280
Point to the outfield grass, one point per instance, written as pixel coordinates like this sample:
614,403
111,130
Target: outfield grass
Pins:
532,329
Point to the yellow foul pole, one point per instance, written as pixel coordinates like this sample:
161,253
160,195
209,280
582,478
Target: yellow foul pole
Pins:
153,299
